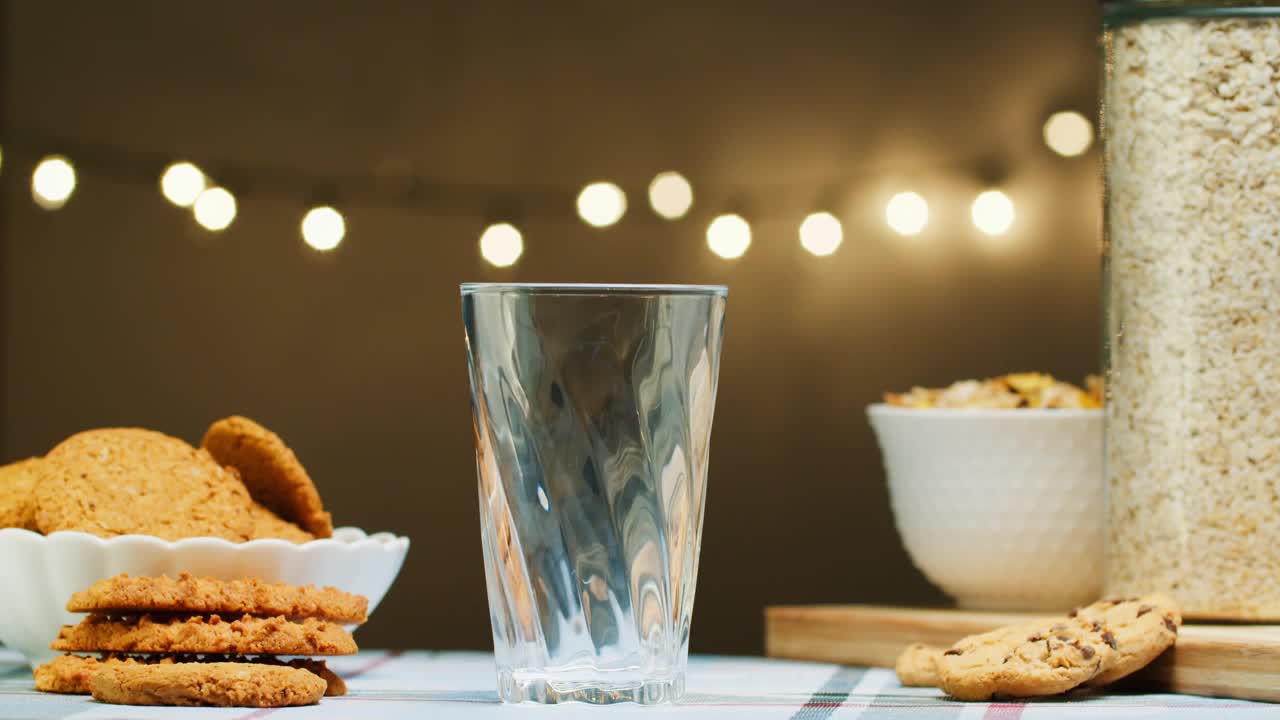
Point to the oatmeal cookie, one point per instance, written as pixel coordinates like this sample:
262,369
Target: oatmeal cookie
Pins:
1138,630
199,635
123,481
917,666
1024,660
223,684
270,470
17,494
70,674
268,525
187,594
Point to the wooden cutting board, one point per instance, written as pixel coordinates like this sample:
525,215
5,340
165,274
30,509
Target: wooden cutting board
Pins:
1237,661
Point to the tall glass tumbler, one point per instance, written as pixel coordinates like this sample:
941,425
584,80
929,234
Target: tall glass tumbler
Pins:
592,409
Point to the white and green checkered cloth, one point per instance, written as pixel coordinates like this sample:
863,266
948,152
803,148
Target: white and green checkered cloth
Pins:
444,686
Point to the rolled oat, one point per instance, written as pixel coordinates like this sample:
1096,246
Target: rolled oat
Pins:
1192,129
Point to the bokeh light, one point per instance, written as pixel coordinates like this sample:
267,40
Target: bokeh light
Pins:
993,212
52,182
601,204
182,183
323,228
670,195
907,213
729,236
501,244
214,209
1068,133
821,234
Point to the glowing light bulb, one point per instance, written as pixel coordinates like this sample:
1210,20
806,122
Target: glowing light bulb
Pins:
323,228
501,245
53,182
907,213
821,234
729,236
182,183
601,204
670,195
215,208
993,212
1068,133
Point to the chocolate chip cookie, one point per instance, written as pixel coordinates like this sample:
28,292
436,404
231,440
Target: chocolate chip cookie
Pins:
1029,659
1137,629
917,666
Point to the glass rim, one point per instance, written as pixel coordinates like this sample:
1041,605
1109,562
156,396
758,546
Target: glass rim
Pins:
471,288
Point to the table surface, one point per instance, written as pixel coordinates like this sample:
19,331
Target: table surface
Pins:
442,686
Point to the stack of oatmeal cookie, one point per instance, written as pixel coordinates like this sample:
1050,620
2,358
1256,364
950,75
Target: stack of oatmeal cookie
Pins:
200,641
243,483
1092,647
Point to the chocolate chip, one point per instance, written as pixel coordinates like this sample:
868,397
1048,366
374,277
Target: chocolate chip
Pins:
1144,609
1087,652
1064,638
1074,612
1035,638
1047,646
1109,639
1006,659
953,651
1168,622
1096,626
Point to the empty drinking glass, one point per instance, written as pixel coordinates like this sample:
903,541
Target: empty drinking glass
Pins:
592,409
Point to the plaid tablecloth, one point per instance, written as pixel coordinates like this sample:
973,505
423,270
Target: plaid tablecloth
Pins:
443,686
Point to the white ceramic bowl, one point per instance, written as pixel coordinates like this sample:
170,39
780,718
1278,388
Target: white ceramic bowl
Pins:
1002,509
39,573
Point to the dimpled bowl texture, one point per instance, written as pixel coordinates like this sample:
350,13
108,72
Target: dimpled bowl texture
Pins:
1002,509
39,573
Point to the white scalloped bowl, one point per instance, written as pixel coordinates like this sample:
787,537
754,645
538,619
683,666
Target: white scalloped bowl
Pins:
39,573
1002,509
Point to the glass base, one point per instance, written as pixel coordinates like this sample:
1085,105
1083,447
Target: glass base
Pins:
549,689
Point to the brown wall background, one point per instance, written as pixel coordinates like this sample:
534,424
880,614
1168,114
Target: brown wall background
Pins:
119,310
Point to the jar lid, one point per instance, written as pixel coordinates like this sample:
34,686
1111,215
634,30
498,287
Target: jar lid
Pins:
1120,12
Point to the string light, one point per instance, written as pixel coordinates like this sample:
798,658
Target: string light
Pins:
670,195
182,183
729,236
53,182
1068,133
501,245
907,213
993,212
601,204
323,228
1,159
821,234
215,208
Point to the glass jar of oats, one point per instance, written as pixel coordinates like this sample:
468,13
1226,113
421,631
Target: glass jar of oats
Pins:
1191,127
